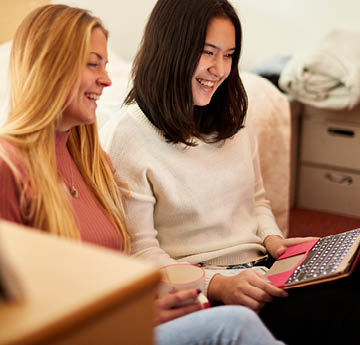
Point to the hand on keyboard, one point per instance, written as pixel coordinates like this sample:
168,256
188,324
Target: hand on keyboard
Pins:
276,245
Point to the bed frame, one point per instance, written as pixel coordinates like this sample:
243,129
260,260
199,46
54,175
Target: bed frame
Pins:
12,12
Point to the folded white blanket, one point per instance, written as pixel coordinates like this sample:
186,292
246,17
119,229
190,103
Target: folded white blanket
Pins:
327,76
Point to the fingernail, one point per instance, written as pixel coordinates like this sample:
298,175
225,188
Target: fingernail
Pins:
198,291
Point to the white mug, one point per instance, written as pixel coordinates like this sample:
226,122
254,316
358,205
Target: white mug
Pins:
183,276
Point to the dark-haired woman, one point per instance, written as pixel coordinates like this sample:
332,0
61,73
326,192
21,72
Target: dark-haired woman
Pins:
196,189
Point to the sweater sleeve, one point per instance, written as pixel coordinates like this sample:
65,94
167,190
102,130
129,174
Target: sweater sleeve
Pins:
129,163
266,220
9,201
140,221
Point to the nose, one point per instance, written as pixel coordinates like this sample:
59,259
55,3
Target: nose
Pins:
218,67
104,79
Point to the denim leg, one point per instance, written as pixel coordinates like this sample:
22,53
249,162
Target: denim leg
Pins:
224,325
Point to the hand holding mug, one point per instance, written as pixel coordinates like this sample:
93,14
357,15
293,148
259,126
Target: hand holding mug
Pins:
171,305
178,277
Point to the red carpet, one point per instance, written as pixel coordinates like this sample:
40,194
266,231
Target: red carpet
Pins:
305,222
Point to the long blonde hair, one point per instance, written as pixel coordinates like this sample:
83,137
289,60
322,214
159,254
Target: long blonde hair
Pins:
49,52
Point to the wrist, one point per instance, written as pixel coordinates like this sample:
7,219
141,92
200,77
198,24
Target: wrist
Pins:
272,244
270,238
216,287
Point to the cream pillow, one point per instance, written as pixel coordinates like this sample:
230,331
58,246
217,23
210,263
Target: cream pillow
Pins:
4,80
112,98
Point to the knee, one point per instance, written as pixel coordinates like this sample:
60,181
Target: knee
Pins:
237,310
238,322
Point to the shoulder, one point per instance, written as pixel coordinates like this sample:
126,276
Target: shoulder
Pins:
13,181
243,137
10,155
243,143
129,130
120,127
11,166
122,141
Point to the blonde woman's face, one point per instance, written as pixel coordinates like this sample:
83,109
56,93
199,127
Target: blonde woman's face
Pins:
215,62
93,79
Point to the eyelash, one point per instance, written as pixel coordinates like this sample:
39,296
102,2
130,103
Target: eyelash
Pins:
207,52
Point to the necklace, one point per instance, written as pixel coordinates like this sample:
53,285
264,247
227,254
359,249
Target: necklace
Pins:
72,189
74,192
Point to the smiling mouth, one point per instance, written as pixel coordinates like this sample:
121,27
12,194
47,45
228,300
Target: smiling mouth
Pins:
206,83
92,96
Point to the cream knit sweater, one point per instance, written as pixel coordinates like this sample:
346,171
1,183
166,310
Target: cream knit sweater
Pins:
194,204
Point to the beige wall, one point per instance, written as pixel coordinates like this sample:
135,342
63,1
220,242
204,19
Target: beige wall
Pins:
290,26
270,26
12,14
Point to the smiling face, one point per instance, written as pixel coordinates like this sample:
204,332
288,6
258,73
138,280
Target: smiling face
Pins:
92,80
215,62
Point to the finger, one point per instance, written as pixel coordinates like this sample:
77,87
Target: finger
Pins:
264,284
262,290
258,294
187,294
275,291
183,310
255,291
177,297
280,251
250,302
254,295
292,241
296,240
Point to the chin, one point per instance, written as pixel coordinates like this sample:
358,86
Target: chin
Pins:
203,100
88,120
203,103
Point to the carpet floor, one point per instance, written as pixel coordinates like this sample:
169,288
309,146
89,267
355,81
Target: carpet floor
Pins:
304,222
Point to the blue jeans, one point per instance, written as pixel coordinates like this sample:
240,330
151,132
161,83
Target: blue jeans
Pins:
224,325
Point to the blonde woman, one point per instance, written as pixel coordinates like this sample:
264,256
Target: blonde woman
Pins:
50,147
54,175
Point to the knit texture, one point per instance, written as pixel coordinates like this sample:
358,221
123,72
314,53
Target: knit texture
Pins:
189,204
94,225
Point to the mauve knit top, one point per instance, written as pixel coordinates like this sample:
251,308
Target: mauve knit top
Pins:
95,226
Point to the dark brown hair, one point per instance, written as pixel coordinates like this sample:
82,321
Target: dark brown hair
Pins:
162,72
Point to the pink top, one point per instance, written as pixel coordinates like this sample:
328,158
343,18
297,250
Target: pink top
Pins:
95,227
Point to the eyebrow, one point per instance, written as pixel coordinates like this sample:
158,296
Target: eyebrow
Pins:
216,47
99,56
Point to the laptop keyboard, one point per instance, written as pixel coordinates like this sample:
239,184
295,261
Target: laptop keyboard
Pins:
324,258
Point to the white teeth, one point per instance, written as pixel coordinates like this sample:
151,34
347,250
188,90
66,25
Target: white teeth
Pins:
207,83
93,96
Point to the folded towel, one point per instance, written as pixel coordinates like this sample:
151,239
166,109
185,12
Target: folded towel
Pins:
328,76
